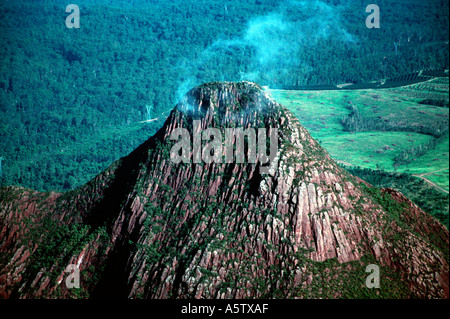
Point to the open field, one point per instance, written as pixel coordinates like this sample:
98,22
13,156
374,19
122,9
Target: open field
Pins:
374,150
405,118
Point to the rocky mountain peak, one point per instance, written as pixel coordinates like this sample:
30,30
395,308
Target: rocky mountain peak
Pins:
153,227
225,105
227,101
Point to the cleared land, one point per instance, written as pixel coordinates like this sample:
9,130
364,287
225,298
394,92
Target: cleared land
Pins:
402,129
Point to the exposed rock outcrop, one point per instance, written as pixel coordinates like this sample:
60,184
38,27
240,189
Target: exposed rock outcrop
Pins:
149,228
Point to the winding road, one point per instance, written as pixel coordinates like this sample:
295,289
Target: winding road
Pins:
422,176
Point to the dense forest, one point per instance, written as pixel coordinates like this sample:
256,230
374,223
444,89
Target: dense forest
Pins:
73,100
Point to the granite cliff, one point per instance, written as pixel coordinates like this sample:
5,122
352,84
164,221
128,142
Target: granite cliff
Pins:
149,228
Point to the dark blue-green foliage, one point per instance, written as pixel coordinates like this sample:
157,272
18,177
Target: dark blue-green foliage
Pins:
71,100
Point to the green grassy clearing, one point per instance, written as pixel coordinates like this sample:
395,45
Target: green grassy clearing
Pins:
401,110
434,164
374,150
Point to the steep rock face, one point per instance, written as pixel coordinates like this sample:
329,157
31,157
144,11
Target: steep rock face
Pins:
149,228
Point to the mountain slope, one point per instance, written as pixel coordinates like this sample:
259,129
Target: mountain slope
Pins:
149,228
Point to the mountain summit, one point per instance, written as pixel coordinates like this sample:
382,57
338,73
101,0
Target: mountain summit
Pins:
194,223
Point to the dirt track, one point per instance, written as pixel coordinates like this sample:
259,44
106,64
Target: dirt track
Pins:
422,176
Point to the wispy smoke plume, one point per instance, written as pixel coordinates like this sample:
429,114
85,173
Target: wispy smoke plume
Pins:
274,48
